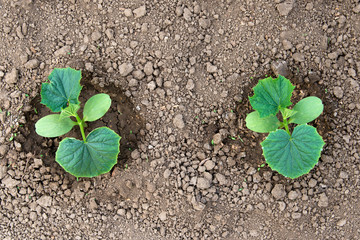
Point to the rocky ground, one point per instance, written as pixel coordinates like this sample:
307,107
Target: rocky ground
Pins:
180,73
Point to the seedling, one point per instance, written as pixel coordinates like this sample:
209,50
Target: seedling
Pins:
291,154
97,152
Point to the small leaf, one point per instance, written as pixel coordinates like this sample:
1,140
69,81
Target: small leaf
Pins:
295,155
271,94
91,158
64,88
261,125
53,125
286,113
96,107
307,110
69,111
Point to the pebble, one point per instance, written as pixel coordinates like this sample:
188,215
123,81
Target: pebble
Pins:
209,165
356,9
312,183
3,150
299,57
44,201
62,51
109,33
282,206
287,44
204,23
149,68
341,222
133,83
167,173
31,64
95,36
285,7
140,11
278,191
178,121
221,178
293,195
11,77
128,12
3,170
338,92
280,67
296,215
211,68
138,74
190,84
162,216
217,138
125,69
38,163
323,200
203,183
10,182
187,14
151,85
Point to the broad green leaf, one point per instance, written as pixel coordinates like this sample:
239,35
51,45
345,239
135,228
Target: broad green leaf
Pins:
271,94
307,110
69,111
261,125
64,88
96,107
53,125
295,155
91,158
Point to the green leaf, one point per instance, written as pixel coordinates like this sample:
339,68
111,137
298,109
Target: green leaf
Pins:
96,107
64,88
271,94
53,125
307,110
286,113
69,111
261,125
91,158
295,155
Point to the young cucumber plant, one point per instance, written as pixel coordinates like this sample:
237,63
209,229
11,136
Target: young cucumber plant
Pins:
97,152
291,154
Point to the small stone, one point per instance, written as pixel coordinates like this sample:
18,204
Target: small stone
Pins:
338,92
179,11
282,206
89,66
211,68
278,191
62,51
190,84
11,77
121,212
109,33
38,163
125,69
128,12
178,121
253,233
312,183
197,205
151,187
287,44
333,55
343,175
135,154
217,138
33,216
167,173
31,64
280,67
3,170
221,179
149,68
204,23
209,165
187,14
44,201
151,85
92,204
138,74
299,57
296,215
162,216
133,83
293,195
3,150
285,7
356,9
95,36
10,182
352,72
341,222
140,11
203,183
323,200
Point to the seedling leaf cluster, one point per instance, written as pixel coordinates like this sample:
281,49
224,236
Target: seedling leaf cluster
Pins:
97,152
291,154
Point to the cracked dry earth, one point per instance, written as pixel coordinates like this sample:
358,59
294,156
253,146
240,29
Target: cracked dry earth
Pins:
180,73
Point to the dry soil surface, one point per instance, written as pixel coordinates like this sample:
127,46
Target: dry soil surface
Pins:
180,73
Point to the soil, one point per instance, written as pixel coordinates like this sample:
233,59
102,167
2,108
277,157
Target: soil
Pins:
179,74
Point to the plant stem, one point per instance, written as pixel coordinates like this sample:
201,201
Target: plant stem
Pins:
81,125
286,126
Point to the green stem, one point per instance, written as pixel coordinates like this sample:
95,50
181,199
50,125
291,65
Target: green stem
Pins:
81,125
286,126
